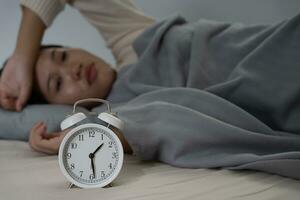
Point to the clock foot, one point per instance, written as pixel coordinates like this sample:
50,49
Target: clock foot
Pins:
71,185
108,186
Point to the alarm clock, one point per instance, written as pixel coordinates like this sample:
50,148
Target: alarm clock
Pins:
91,154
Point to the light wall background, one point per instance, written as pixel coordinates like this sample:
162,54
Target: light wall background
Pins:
71,29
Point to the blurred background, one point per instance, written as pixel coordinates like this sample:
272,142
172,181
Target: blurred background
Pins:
80,34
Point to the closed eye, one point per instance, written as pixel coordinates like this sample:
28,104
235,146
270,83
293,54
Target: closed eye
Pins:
59,56
64,56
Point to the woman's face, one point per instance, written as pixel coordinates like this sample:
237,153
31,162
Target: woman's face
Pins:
65,75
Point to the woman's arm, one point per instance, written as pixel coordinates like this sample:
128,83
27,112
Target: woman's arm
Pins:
16,79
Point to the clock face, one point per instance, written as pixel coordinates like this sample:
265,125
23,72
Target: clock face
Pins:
91,155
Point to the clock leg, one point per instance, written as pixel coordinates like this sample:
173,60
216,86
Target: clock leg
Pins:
109,185
71,185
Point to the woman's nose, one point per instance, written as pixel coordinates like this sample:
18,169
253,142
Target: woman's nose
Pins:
75,72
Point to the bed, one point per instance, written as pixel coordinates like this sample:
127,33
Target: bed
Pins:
26,174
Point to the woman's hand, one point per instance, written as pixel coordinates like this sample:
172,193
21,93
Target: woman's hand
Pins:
127,148
41,141
17,76
16,83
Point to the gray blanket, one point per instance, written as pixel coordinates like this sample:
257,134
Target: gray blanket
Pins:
212,95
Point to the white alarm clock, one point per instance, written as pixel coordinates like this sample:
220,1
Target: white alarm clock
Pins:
91,154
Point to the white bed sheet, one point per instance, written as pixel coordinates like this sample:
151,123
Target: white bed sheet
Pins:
25,174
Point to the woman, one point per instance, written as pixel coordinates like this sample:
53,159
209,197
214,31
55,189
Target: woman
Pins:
119,22
63,75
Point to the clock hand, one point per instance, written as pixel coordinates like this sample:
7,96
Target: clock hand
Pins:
91,156
98,148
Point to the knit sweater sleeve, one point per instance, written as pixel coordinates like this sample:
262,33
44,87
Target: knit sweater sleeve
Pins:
120,22
47,10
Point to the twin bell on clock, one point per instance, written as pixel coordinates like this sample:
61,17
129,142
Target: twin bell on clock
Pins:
91,154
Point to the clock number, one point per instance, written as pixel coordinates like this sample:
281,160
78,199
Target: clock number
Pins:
92,176
69,155
80,137
73,145
81,172
110,166
91,133
114,155
102,173
101,136
110,143
72,166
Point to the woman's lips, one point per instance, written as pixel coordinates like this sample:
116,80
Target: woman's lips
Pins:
90,73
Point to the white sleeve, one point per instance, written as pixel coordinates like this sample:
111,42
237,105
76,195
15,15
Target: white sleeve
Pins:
120,22
47,10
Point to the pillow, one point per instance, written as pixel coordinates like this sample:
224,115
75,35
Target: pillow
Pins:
17,125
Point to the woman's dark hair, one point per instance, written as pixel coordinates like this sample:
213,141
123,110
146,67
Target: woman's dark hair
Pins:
36,96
